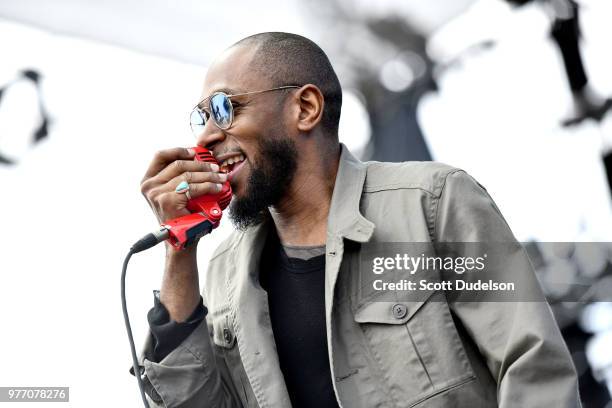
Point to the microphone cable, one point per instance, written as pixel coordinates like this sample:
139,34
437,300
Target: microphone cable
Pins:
146,242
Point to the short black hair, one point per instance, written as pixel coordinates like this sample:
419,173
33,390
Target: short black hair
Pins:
291,59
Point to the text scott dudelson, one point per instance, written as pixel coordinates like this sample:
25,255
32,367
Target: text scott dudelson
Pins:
456,284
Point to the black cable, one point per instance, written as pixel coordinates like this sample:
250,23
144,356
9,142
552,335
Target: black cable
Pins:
129,328
146,242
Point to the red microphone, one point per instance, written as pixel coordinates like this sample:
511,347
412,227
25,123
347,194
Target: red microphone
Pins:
206,211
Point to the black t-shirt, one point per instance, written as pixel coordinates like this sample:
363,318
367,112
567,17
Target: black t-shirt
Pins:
296,300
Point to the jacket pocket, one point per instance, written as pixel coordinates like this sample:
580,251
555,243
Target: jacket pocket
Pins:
415,346
223,332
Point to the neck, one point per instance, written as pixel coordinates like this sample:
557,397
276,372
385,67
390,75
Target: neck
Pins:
301,217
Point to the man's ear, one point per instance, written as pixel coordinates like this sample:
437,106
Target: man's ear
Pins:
311,102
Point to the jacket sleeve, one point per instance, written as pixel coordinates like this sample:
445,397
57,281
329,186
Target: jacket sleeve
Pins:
168,334
190,376
520,341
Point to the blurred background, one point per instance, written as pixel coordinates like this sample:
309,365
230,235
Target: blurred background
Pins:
517,93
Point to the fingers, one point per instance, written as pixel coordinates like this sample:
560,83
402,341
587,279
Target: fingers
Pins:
198,177
199,183
167,170
180,167
165,157
200,189
170,204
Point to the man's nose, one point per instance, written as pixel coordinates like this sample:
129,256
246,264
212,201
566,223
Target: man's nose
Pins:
210,135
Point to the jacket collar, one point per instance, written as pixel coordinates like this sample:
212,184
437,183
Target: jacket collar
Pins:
345,219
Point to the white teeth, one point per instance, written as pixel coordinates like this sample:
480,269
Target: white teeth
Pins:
232,160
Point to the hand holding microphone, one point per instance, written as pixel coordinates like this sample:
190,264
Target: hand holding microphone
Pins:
187,194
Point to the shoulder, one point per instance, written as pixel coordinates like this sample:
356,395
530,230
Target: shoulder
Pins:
428,176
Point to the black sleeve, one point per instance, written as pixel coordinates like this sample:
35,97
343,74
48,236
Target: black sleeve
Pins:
168,334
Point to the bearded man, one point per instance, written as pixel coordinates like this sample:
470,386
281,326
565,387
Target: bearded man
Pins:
283,319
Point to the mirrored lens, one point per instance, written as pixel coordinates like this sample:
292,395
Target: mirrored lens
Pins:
221,110
197,121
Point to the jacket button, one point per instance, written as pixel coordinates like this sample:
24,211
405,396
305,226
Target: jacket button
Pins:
399,311
227,336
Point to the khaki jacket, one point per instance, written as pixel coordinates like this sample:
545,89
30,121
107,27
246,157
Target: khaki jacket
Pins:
433,354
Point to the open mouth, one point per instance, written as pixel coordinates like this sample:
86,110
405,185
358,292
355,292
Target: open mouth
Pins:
232,164
227,165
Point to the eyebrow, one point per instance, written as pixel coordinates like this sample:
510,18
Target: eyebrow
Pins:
228,91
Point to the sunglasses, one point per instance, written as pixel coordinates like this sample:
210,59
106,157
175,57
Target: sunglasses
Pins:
219,106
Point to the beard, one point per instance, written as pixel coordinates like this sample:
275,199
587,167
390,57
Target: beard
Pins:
271,175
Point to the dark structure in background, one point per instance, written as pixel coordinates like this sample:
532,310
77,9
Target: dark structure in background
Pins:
42,131
396,134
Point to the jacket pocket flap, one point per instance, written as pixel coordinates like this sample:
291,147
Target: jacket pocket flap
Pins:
395,312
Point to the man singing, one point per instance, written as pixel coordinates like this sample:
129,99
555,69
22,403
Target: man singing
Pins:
282,320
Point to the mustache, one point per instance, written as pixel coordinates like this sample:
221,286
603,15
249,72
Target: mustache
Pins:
221,153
